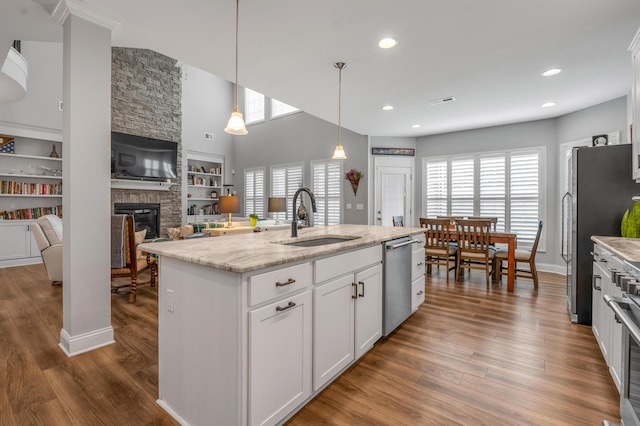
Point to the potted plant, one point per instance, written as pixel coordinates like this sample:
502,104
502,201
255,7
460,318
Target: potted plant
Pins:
253,219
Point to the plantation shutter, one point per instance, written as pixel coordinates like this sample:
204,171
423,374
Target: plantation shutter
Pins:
525,196
254,192
435,183
492,188
326,185
285,181
462,191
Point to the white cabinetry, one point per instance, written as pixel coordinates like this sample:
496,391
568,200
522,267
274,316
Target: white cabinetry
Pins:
607,331
417,273
18,246
635,103
279,358
203,186
347,311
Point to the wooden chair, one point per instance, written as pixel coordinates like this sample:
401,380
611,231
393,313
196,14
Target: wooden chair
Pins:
522,256
493,220
473,247
398,220
126,260
438,249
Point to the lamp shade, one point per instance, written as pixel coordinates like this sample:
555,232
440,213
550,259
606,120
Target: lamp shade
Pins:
277,204
229,204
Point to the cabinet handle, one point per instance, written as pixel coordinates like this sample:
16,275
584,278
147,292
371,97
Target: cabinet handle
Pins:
420,293
354,287
596,277
289,306
362,284
419,263
289,281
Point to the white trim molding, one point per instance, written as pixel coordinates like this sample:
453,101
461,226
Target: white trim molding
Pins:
78,8
76,345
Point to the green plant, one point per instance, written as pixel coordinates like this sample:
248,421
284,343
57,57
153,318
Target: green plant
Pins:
253,216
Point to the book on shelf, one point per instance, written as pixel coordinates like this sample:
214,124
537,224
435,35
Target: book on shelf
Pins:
32,213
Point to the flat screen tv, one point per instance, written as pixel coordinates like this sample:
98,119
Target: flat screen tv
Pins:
141,158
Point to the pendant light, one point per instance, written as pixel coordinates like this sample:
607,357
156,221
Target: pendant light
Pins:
339,153
236,126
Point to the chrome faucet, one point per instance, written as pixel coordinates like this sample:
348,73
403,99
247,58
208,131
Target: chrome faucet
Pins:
294,220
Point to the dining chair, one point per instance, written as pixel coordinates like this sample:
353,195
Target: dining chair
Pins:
522,256
126,260
493,220
438,249
398,220
474,251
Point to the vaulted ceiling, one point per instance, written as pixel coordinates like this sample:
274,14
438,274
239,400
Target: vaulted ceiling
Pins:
487,54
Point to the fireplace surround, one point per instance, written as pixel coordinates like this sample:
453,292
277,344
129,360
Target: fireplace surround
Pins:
145,216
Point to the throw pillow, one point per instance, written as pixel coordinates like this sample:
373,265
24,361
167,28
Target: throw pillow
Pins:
139,239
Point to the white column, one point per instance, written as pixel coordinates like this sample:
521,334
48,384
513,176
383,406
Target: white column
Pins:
86,186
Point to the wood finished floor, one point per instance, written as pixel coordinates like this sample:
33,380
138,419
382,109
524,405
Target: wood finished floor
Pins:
471,355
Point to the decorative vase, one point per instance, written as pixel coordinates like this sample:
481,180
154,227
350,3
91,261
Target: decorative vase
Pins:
54,153
253,221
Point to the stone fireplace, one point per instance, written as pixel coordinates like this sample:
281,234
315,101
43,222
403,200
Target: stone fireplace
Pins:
145,216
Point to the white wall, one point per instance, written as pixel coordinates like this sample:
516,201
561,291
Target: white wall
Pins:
207,101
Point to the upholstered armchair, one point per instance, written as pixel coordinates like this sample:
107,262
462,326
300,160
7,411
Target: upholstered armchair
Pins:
47,232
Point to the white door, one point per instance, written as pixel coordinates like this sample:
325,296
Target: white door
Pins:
393,190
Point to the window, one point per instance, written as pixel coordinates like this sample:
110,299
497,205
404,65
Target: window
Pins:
253,106
280,108
285,181
254,191
507,185
326,184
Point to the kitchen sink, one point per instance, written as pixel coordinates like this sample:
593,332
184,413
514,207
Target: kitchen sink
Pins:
319,241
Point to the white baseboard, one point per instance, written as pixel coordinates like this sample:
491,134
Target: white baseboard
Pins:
76,345
553,268
172,413
20,262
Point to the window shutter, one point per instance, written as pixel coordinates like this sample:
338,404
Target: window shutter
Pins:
492,188
254,191
285,181
435,183
327,188
525,196
462,182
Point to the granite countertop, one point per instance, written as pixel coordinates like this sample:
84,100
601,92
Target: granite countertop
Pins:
250,252
625,248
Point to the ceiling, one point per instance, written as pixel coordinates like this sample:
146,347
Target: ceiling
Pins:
487,54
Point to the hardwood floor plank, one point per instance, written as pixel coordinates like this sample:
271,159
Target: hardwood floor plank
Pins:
471,355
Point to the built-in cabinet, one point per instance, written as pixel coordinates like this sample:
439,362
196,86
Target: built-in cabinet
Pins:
417,272
253,348
203,186
18,246
30,187
635,103
607,331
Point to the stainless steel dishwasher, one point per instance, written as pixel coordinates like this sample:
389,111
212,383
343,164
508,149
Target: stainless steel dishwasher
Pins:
397,283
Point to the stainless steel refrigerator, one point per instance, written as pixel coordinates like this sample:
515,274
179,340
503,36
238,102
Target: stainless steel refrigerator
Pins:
600,192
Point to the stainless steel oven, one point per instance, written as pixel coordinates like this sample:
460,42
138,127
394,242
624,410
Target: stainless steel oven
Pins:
627,311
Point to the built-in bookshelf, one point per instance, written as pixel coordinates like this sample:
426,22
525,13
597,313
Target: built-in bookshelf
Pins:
204,185
30,177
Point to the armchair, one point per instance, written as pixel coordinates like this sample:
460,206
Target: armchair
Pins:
47,232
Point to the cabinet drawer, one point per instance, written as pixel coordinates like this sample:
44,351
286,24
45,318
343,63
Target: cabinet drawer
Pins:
341,264
417,263
417,291
266,286
421,240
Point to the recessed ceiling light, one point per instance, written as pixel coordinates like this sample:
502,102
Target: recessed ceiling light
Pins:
415,126
387,107
548,104
387,43
552,71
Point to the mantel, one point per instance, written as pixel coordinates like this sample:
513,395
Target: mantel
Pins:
141,185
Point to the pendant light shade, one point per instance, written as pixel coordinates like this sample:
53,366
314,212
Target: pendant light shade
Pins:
236,125
339,153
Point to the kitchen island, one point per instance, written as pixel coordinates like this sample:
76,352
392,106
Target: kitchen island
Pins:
252,327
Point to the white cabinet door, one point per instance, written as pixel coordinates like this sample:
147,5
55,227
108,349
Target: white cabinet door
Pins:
15,239
333,329
279,358
598,312
34,251
615,354
417,289
368,309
